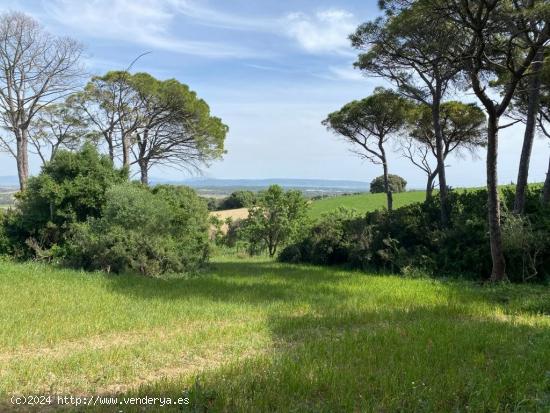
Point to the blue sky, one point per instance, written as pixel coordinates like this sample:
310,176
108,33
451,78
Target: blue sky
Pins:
272,70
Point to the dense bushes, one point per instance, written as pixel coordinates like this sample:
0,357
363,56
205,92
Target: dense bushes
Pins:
151,232
237,199
396,183
412,238
69,189
82,211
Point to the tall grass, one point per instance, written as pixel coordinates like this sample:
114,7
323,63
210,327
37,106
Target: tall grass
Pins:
254,335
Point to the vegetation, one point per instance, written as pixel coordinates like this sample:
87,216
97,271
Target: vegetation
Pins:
461,128
298,332
362,202
155,122
145,231
396,184
412,239
70,189
275,219
237,199
248,333
82,211
37,69
368,125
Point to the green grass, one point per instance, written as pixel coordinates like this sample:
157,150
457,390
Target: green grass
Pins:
254,335
363,202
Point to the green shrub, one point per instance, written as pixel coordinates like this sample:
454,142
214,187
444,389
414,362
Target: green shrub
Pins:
411,239
238,199
69,189
140,230
397,184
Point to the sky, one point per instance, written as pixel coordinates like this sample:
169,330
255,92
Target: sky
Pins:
271,69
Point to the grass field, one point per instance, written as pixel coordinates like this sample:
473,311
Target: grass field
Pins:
364,202
254,335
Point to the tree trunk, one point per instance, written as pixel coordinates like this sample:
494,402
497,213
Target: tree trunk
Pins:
440,157
387,188
529,136
144,171
126,152
22,157
498,272
110,145
546,188
389,196
430,185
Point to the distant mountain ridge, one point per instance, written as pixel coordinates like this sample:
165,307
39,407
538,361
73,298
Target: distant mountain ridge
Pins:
255,183
12,181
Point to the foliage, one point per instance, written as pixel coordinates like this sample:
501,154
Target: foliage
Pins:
362,202
275,219
69,189
413,238
140,230
155,121
331,327
368,124
238,199
396,183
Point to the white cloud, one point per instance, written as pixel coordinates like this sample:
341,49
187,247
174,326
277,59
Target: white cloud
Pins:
145,22
211,17
346,73
324,32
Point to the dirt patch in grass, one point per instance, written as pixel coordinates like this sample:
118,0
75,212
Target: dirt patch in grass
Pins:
234,214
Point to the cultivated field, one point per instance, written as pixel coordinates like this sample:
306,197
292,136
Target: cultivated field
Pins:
364,202
254,335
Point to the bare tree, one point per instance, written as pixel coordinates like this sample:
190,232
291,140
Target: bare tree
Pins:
36,69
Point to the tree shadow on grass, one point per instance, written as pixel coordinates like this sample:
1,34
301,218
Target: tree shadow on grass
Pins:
257,283
338,355
253,283
403,360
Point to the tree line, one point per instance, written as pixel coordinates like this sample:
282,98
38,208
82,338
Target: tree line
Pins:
432,50
137,119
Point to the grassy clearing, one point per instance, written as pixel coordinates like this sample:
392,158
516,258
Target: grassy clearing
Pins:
253,335
363,202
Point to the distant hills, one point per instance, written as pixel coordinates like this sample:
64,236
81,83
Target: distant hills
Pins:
262,183
228,185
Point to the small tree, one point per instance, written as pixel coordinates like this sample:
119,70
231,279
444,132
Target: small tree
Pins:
368,124
396,183
276,217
